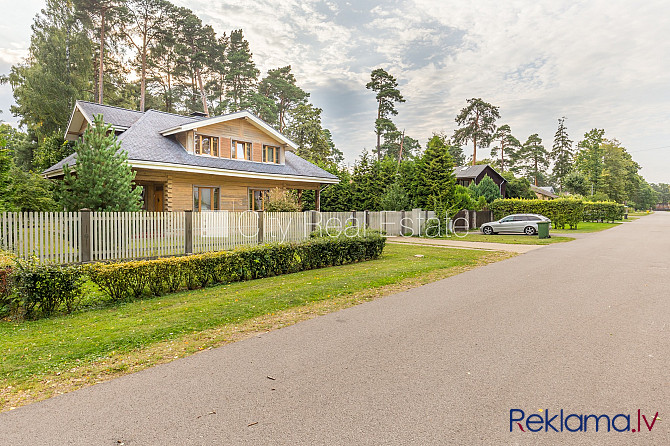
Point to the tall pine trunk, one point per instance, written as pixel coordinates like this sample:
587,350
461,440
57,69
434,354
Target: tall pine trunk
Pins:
202,92
379,150
101,67
143,81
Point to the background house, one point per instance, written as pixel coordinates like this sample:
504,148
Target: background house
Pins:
468,174
199,163
543,192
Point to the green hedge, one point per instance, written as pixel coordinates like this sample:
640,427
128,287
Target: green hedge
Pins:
561,211
123,280
40,290
603,211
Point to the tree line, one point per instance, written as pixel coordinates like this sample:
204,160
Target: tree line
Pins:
138,54
596,168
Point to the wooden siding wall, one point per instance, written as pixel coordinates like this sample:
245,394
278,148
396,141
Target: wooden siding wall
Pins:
238,130
178,190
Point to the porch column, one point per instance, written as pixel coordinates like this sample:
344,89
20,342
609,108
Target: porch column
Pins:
300,198
317,198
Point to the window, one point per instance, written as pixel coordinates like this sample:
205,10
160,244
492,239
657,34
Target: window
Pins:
241,150
206,145
205,198
271,154
257,199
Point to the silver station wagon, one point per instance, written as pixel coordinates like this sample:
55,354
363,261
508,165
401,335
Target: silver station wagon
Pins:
523,223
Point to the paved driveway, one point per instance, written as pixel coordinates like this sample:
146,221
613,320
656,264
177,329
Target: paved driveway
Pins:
581,326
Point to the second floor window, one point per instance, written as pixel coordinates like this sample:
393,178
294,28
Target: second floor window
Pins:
206,145
241,150
271,154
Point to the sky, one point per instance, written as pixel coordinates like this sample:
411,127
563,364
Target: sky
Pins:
600,63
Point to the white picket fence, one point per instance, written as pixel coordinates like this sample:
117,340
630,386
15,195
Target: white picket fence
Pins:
58,236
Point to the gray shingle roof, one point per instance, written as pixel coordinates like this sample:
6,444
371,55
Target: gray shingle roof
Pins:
118,117
143,142
469,171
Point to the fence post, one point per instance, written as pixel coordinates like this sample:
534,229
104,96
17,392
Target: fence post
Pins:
85,246
402,223
261,223
188,232
353,218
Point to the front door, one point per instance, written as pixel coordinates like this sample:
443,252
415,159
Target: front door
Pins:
158,200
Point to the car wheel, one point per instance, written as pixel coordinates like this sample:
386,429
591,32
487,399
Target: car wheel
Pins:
488,230
529,230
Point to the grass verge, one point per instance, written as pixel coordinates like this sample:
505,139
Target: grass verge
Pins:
585,226
51,356
512,239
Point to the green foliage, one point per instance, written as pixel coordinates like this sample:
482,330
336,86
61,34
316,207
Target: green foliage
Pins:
387,95
507,145
532,160
577,183
58,70
30,192
280,87
40,290
436,179
304,127
561,154
125,280
395,198
7,261
663,192
241,73
517,187
281,200
478,124
51,150
603,211
589,159
562,211
487,188
336,197
103,179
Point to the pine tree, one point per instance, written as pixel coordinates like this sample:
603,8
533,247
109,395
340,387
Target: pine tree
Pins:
478,124
561,154
386,87
507,144
241,73
280,87
102,179
533,159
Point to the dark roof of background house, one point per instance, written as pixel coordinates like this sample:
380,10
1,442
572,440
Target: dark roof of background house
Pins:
144,142
466,172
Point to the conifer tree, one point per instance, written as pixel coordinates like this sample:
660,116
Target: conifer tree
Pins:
436,174
561,153
102,179
386,87
478,124
533,159
241,72
507,144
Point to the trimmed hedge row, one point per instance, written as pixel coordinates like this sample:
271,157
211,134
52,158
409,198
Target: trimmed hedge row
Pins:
603,211
125,280
561,211
40,290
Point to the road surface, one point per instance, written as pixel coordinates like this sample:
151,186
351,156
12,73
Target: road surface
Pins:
581,326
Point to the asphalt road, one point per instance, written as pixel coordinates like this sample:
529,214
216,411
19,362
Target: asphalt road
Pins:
581,326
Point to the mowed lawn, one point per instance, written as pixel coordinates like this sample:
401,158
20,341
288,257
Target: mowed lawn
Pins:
585,226
513,239
44,357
